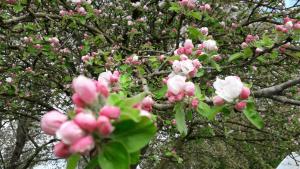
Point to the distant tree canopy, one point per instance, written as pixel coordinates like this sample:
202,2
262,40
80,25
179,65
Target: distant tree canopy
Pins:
142,40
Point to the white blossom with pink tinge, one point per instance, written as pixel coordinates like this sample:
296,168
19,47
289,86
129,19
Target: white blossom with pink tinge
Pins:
229,88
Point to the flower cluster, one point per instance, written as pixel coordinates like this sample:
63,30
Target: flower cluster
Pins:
133,60
88,57
76,134
178,88
249,39
229,90
289,24
186,49
188,3
185,67
191,4
54,41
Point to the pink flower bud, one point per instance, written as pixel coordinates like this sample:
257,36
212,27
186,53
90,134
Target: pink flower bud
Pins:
183,2
83,145
78,110
217,58
218,101
279,27
173,122
180,51
161,57
61,150
188,44
81,11
195,103
204,30
145,113
245,93
289,25
258,50
63,12
85,88
111,112
77,101
188,51
207,7
189,88
183,57
51,121
197,63
86,121
102,88
176,66
147,103
69,132
104,126
11,1
234,26
244,45
296,26
240,105
115,77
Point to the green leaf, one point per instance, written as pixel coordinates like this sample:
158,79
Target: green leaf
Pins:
114,156
133,100
247,52
180,118
196,15
18,7
161,92
194,33
235,56
216,65
72,161
135,157
114,99
200,73
198,93
253,116
129,113
205,110
93,163
175,7
134,135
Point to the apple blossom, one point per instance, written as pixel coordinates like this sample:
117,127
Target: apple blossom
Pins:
111,112
83,145
77,101
51,121
240,105
9,80
244,45
145,113
195,103
102,88
176,84
210,45
218,101
61,150
204,30
189,88
228,89
188,44
86,121
104,126
245,93
69,132
147,103
85,88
